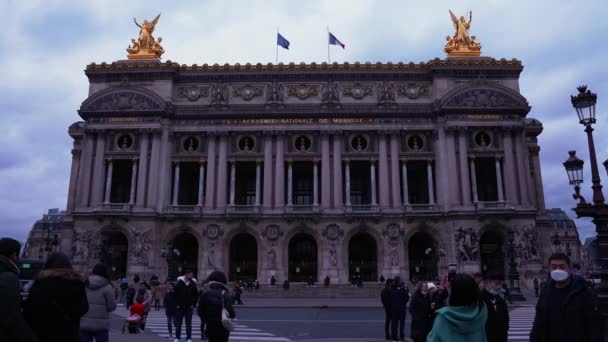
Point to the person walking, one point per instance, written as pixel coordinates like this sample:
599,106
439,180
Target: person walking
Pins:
238,291
497,327
405,296
536,287
186,296
57,300
12,325
201,292
211,304
420,309
385,298
464,319
567,309
144,297
506,293
95,324
156,295
124,286
130,295
170,308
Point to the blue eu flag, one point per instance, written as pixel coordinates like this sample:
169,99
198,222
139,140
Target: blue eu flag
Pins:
282,42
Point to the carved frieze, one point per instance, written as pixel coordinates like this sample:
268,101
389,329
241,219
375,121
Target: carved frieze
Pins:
140,247
357,91
302,91
213,232
219,94
527,243
413,91
393,233
330,93
193,93
248,92
81,247
467,245
333,232
272,233
274,92
124,101
386,92
482,98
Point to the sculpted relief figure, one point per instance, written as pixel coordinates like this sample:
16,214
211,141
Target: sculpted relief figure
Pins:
394,257
272,259
140,248
80,247
466,244
333,256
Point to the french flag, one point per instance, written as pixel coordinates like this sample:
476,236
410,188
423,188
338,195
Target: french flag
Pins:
334,41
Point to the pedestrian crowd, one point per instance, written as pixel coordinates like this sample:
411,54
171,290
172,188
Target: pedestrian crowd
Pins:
63,305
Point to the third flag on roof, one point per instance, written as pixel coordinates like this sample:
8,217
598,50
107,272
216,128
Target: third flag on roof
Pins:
282,42
334,41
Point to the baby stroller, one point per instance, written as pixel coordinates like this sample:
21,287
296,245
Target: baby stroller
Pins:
133,324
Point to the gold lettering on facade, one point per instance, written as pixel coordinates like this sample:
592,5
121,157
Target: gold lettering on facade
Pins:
305,121
482,117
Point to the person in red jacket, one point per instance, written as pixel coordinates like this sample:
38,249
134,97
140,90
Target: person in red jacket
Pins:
140,310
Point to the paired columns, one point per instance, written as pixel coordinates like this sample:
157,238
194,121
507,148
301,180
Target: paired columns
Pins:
429,174
289,182
501,197
315,183
372,172
232,181
108,181
406,195
473,179
347,181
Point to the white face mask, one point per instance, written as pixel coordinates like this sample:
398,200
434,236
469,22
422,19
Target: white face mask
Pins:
559,275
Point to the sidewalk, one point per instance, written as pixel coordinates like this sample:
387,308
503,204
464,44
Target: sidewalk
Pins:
309,302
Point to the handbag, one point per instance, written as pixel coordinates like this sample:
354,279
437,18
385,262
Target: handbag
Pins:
227,322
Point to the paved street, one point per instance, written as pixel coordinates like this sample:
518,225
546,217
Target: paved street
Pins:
334,324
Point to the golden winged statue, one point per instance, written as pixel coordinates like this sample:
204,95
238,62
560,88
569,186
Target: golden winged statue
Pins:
461,44
146,46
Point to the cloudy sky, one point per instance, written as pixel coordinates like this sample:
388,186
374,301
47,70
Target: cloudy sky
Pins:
46,45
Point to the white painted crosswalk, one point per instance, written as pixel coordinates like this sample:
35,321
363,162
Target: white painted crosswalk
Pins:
520,323
157,323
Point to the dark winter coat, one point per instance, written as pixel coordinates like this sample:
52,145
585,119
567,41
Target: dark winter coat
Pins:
497,327
210,309
420,308
398,298
55,304
100,295
12,325
170,304
581,320
186,295
385,297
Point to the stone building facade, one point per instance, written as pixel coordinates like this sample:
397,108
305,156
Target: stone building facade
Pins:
44,236
305,170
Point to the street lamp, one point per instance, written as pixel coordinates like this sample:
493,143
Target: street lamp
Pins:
513,274
584,103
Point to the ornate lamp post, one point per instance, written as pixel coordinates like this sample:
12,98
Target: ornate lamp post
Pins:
584,103
556,243
513,274
50,242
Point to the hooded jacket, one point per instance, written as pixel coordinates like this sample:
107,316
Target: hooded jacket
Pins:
581,320
186,293
55,304
12,324
102,301
210,308
460,324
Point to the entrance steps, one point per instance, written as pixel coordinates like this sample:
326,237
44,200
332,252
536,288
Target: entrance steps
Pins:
301,290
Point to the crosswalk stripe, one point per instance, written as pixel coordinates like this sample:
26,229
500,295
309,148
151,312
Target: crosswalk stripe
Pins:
520,323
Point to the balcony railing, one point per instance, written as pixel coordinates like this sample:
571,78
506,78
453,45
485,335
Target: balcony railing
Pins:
302,209
421,207
491,205
115,207
238,209
185,209
363,209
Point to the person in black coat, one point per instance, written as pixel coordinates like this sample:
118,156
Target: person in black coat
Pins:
567,309
210,307
497,326
170,308
385,297
186,296
397,305
420,308
56,301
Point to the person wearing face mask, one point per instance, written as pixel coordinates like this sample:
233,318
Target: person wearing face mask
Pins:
567,310
497,326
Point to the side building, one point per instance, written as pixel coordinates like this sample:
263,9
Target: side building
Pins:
44,236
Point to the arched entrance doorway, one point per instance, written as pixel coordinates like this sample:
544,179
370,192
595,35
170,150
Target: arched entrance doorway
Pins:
362,257
114,253
183,255
422,253
492,255
243,258
302,256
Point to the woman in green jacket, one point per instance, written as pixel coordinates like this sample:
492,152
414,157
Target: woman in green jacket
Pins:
464,320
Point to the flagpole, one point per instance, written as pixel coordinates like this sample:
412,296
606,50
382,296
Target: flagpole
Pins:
276,61
328,56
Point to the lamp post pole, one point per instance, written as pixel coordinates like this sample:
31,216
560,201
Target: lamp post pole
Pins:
584,103
515,292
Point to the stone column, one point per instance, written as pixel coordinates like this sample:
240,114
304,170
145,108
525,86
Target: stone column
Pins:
429,173
153,180
164,187
74,180
315,183
289,183
211,175
142,171
258,181
108,182
98,168
176,184
221,174
538,178
452,166
464,170
521,168
133,180
441,168
383,172
372,172
501,197
406,195
325,176
338,186
395,171
473,179
201,183
267,172
84,173
279,177
507,166
232,181
347,182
